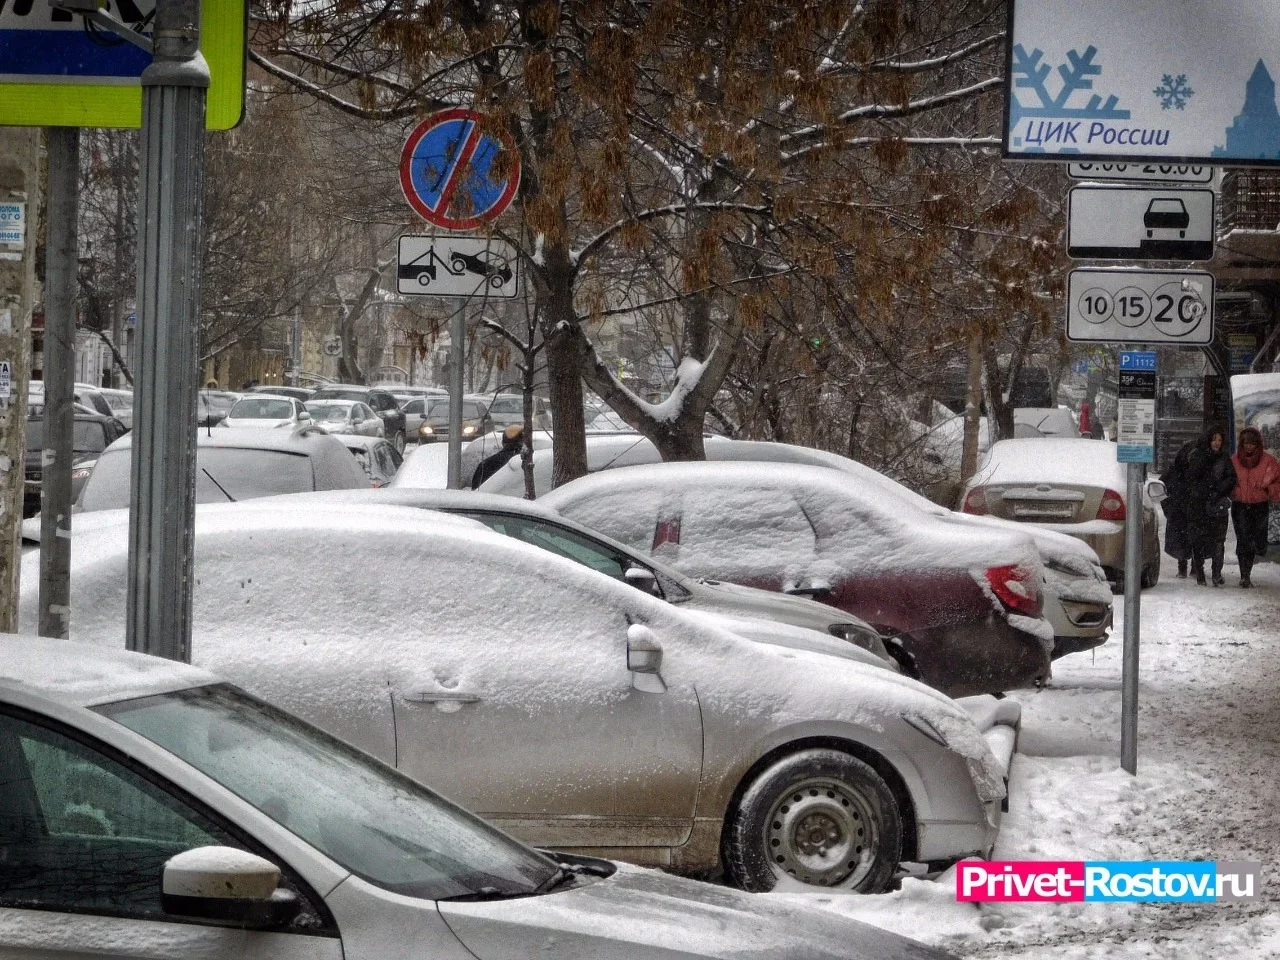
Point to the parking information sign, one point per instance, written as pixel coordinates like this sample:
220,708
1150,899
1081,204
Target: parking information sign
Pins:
1160,172
56,70
1143,80
1136,421
1140,306
457,266
1127,223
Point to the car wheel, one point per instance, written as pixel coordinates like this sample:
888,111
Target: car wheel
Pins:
1151,575
398,441
819,816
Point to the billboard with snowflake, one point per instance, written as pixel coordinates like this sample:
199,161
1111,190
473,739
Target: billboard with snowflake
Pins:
1143,80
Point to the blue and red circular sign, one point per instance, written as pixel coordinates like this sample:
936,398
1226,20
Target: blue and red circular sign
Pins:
447,170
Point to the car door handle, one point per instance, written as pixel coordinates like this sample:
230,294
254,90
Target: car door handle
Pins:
440,696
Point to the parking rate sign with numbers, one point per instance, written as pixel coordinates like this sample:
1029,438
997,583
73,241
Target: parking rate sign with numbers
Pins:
58,71
1140,306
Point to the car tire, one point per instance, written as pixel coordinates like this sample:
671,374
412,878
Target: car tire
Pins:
1151,575
398,441
820,816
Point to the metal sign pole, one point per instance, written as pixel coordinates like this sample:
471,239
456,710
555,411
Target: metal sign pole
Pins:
1132,588
59,377
457,336
170,226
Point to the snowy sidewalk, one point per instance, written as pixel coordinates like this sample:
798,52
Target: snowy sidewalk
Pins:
1208,788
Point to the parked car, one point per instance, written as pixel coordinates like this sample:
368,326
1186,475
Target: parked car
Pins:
1076,601
345,417
91,433
507,409
381,402
262,411
121,404
214,406
535,524
475,420
1069,486
143,807
277,390
377,458
964,603
1047,421
571,709
236,465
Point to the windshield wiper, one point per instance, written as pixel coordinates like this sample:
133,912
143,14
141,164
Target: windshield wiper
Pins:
569,871
486,893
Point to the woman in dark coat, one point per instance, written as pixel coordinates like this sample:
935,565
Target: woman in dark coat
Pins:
1177,543
1208,481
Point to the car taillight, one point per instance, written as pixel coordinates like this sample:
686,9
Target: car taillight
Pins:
1112,506
1014,588
976,502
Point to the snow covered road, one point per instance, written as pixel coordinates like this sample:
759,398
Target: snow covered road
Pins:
1208,788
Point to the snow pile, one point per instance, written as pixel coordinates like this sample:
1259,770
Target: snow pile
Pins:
66,669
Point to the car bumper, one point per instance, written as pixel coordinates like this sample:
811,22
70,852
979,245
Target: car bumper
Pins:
942,842
987,655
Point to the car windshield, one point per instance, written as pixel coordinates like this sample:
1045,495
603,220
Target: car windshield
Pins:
439,412
373,821
88,436
507,405
261,408
328,412
222,474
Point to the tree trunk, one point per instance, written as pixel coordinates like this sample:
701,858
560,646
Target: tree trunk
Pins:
972,410
563,339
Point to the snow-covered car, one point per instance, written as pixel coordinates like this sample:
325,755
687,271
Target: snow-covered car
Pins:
264,411
1077,601
507,409
384,406
568,708
155,810
964,603
233,465
1070,486
349,417
377,458
535,524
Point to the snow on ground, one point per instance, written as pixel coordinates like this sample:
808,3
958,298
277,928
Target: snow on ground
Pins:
1208,788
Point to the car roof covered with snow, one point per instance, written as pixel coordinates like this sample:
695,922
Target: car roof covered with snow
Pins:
1052,460
892,535
87,673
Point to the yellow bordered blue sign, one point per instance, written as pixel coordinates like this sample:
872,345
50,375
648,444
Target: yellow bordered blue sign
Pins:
56,70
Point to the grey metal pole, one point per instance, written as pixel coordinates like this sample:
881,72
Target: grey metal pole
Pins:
1132,586
457,339
170,226
59,380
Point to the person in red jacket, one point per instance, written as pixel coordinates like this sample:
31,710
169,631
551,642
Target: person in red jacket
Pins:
1257,484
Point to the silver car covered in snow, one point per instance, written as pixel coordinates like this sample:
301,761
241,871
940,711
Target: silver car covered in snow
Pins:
151,810
572,710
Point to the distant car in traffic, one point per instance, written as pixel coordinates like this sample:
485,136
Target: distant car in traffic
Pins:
91,434
345,417
263,411
152,806
380,401
507,409
475,420
234,465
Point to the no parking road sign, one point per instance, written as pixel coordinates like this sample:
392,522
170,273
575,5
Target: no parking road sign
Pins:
449,170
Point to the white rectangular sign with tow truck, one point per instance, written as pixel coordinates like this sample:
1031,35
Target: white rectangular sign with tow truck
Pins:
449,265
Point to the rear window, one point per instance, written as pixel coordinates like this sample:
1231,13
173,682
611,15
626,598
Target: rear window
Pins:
330,393
88,436
222,473
258,408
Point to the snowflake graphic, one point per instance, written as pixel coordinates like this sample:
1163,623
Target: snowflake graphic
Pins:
1174,92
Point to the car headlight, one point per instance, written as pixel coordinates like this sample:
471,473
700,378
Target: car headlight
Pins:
856,634
425,430
468,431
961,737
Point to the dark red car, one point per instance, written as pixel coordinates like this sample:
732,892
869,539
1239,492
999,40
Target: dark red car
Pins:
964,603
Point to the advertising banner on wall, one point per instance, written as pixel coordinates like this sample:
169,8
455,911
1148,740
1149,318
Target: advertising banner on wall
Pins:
1143,79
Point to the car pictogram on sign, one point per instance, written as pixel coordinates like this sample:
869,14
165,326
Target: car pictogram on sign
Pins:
1168,215
487,264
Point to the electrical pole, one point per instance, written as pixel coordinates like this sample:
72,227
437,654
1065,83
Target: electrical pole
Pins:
170,228
61,263
19,182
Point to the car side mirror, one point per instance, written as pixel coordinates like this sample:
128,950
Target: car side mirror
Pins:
303,416
644,659
642,578
228,886
1156,490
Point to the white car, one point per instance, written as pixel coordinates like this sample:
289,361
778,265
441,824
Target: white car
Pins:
263,411
346,416
152,811
566,707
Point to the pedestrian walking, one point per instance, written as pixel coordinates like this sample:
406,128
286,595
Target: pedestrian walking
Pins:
512,441
1209,480
1177,541
1257,484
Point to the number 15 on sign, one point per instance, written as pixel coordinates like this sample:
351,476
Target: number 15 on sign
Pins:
1140,306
